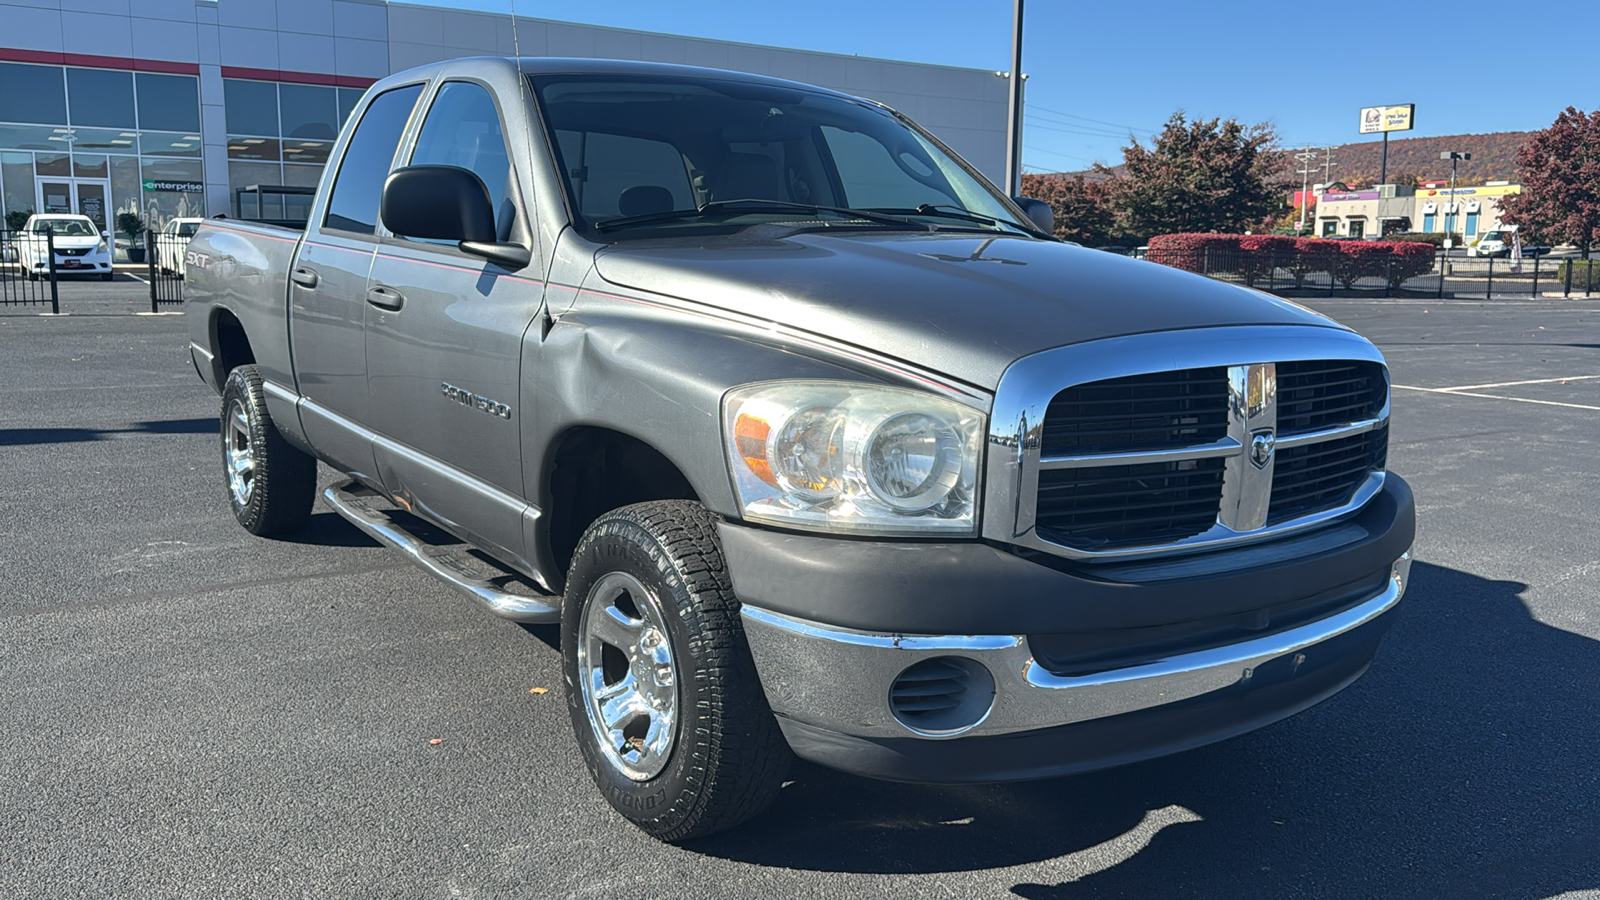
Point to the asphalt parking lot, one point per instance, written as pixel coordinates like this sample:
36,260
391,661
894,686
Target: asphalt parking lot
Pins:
192,711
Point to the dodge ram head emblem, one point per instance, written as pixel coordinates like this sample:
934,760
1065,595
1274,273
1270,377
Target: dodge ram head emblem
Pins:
1261,444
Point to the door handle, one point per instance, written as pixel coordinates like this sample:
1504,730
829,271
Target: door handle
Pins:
386,298
306,278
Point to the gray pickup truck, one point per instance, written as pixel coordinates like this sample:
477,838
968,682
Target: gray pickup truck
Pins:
813,442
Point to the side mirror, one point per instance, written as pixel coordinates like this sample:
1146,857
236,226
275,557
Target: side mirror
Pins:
447,203
1038,212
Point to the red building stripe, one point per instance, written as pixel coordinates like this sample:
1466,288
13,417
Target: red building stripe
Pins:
51,58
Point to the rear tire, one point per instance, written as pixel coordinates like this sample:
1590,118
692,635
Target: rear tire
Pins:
664,697
270,484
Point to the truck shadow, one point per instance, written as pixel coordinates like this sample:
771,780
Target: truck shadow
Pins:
1462,764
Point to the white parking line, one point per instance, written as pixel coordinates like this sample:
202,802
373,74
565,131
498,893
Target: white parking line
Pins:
1458,392
1499,384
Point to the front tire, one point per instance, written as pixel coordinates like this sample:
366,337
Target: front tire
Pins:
663,695
270,484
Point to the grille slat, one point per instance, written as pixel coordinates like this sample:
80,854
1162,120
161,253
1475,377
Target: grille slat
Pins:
1186,495
1322,476
1138,412
1318,394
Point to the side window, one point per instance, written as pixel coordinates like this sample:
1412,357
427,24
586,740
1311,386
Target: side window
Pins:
463,129
872,179
615,175
359,184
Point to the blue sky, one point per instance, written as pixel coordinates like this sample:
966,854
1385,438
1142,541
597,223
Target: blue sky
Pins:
1097,68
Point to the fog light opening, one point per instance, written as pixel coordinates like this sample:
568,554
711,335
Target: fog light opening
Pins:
943,696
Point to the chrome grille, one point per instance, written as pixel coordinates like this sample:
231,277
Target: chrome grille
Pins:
1175,442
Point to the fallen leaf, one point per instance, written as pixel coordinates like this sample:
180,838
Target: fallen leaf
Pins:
436,741
547,690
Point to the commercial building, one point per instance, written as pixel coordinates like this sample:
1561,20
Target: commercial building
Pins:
170,107
1387,208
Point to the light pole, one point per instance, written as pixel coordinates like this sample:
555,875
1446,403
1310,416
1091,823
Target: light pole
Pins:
1450,211
1014,109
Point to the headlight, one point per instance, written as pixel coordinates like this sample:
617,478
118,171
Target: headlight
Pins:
835,456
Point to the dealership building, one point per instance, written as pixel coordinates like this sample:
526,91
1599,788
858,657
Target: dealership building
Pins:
171,107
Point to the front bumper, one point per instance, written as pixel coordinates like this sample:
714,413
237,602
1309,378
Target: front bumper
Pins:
832,683
831,691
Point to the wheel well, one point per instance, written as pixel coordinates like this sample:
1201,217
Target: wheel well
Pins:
229,343
595,470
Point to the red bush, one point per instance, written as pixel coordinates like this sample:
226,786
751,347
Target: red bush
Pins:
1361,259
1188,251
1411,258
1276,244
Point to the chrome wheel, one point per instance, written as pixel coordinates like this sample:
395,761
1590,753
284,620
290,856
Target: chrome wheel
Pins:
241,457
628,676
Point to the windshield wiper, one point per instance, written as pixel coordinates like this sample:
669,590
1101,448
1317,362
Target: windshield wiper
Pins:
715,207
948,211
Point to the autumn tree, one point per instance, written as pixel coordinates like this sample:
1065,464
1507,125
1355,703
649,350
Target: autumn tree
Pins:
1083,207
1215,175
1560,199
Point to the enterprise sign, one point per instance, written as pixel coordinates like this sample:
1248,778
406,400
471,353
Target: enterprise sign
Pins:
177,187
1388,118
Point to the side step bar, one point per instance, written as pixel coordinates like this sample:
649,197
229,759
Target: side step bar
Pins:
501,592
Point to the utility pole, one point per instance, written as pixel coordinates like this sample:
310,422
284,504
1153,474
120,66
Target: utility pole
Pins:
1014,109
1306,167
1327,167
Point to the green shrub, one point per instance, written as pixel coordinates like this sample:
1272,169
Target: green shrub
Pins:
1436,238
1585,273
17,218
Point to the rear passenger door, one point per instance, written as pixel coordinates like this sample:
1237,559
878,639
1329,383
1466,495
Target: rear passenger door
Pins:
328,285
444,340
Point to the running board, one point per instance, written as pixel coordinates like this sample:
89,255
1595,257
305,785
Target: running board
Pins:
502,592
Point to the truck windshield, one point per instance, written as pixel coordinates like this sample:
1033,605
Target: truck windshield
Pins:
650,156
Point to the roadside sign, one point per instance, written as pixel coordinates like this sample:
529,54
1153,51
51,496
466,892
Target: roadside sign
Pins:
1388,118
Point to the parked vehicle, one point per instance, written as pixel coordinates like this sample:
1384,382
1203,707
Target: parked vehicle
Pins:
171,243
811,440
1499,243
80,249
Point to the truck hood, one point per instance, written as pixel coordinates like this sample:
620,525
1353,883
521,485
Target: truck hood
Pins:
960,304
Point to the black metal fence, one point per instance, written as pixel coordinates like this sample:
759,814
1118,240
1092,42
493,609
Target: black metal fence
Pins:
28,270
164,253
1390,276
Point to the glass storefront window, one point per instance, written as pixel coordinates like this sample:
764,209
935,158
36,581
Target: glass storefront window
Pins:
161,143
124,185
52,164
100,97
253,148
31,137
306,151
309,112
32,94
348,98
168,102
89,165
251,106
16,182
104,140
244,174
159,206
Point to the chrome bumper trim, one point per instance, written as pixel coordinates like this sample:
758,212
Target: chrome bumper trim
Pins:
839,679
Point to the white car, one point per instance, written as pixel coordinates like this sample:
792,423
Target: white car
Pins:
171,242
80,248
